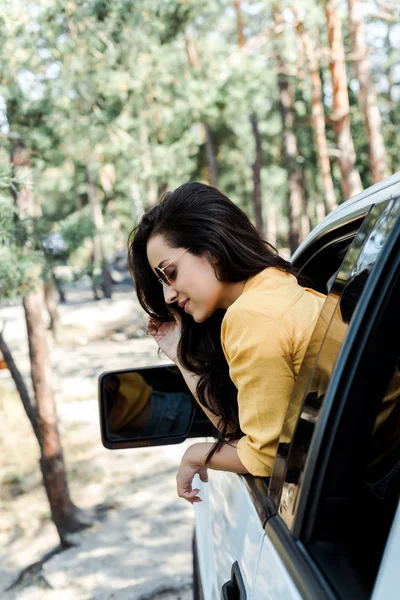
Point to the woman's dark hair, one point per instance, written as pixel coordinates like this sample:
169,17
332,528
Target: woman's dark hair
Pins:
201,218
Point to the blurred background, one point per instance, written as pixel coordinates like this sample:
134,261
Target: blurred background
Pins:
290,108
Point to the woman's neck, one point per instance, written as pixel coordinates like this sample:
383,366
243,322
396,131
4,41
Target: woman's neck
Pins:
232,293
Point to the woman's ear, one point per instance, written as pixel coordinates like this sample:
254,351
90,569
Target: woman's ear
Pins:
217,268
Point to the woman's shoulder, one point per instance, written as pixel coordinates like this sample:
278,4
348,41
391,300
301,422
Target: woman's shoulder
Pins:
271,292
276,296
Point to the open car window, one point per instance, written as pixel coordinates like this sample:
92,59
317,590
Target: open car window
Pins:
321,355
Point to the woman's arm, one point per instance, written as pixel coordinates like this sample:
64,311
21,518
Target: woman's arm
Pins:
261,367
193,462
167,336
191,381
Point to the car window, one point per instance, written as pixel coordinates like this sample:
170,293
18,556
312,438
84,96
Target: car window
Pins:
346,514
324,261
355,513
325,343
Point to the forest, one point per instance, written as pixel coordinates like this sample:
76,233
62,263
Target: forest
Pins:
290,108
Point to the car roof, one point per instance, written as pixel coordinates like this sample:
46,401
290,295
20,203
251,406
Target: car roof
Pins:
352,209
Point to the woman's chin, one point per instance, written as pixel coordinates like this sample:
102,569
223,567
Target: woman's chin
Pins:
200,318
196,317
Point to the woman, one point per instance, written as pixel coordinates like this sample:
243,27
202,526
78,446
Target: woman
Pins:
230,313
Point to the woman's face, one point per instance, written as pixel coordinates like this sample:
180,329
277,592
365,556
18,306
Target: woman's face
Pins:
194,285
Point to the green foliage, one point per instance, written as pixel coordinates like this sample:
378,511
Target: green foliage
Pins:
110,85
19,257
75,228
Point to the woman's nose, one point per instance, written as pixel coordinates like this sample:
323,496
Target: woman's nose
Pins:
170,295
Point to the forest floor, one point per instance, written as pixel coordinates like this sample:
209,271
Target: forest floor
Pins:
139,547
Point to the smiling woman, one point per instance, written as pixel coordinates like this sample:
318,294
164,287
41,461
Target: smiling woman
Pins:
231,315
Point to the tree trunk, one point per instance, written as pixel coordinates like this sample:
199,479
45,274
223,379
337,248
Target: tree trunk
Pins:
392,128
162,189
19,384
289,154
239,23
351,181
211,158
152,193
257,165
257,175
194,63
61,294
66,516
52,308
272,231
368,98
136,201
119,237
289,143
98,249
64,513
318,119
306,213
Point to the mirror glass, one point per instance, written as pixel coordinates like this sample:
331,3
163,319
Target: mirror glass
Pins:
144,403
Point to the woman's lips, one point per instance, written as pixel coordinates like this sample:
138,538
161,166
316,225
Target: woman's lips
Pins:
185,306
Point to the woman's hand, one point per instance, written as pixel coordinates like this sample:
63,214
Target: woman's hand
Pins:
166,334
189,467
193,463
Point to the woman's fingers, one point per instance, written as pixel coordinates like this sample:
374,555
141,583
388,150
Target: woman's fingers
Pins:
152,327
191,496
184,480
176,315
203,475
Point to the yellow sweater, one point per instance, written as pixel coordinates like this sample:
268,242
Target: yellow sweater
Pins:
264,335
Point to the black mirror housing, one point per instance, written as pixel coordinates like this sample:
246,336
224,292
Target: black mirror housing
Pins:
151,406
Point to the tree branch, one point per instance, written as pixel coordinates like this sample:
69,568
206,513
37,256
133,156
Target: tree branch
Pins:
19,383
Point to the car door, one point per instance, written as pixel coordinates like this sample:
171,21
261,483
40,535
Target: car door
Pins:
267,552
231,519
229,534
327,515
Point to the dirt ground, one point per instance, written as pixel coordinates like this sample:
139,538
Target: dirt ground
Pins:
139,547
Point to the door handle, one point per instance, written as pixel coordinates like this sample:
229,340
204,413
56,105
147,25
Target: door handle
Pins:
234,588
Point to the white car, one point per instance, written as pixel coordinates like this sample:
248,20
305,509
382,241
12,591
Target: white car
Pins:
326,525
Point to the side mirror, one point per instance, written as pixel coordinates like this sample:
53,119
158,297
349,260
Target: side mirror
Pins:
151,406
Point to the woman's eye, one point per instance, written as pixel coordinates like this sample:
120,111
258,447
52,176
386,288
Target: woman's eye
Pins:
171,273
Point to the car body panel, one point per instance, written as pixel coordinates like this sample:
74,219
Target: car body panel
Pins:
205,544
387,583
272,580
231,531
230,501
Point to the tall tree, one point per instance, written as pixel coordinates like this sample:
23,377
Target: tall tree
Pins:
340,117
318,118
194,63
99,258
390,95
289,143
257,194
67,517
257,164
368,97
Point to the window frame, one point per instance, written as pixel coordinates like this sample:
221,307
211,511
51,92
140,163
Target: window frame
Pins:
347,372
359,370
371,321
